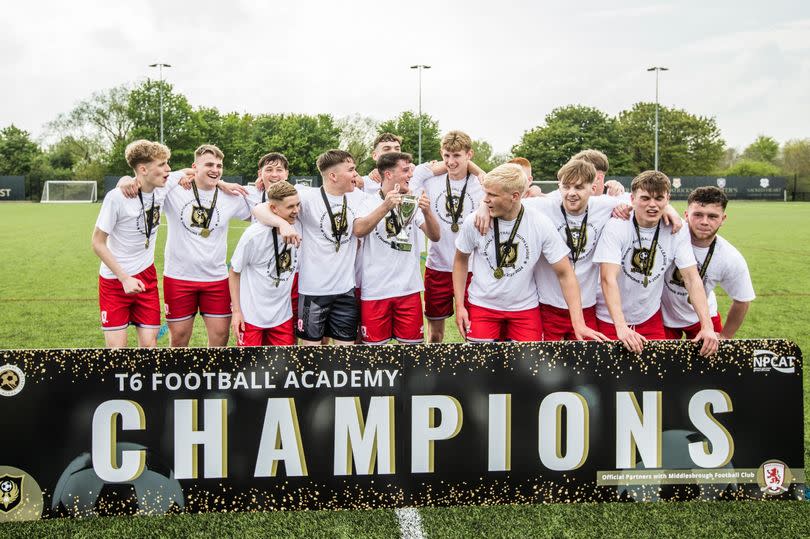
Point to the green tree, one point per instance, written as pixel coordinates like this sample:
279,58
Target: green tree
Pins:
566,131
749,167
18,152
796,156
101,121
406,125
688,145
762,149
484,157
357,133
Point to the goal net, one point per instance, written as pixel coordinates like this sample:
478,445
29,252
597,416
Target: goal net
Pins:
69,192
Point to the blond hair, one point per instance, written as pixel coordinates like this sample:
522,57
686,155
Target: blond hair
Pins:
509,177
576,171
594,157
208,148
457,141
280,190
141,152
652,181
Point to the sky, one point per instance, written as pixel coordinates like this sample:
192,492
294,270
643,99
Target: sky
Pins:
497,67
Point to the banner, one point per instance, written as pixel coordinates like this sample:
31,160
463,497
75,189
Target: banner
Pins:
123,431
12,188
735,187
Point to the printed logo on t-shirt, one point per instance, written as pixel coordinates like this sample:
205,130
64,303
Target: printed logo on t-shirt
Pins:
441,206
637,260
390,233
591,237
514,256
343,228
194,218
152,215
286,266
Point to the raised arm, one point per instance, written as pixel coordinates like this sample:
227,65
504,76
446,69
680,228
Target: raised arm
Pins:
364,225
265,216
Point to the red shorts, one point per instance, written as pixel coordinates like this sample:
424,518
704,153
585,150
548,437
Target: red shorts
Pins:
439,299
493,325
281,335
652,328
119,310
692,331
557,322
398,318
182,299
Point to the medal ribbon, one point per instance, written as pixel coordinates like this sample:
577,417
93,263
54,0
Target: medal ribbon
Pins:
647,270
209,212
577,249
499,256
705,266
455,212
147,217
344,224
278,254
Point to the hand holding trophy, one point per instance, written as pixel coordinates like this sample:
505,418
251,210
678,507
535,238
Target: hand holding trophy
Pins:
406,211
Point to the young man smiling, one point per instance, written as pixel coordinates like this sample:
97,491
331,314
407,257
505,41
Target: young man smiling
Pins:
635,256
124,239
391,304
261,276
503,294
719,263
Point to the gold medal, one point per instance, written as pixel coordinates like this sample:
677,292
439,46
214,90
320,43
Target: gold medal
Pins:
646,281
146,245
205,232
498,273
454,227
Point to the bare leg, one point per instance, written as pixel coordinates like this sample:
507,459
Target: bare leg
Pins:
218,329
435,331
180,332
305,342
147,337
116,338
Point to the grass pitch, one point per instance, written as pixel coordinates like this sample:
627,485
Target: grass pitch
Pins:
48,299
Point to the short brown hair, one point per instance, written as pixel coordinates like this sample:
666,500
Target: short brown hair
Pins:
273,157
208,148
386,137
388,161
594,157
142,151
280,190
708,195
456,141
330,158
576,171
522,161
652,181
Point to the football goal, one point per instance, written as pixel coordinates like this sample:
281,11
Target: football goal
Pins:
69,192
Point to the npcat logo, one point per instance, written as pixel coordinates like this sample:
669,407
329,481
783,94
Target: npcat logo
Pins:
765,360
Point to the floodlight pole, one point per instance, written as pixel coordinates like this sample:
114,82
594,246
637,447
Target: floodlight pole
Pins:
419,68
657,70
160,66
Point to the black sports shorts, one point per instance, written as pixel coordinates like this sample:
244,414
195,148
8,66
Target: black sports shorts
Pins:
334,315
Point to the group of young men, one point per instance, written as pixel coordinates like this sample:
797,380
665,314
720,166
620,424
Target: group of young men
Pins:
343,261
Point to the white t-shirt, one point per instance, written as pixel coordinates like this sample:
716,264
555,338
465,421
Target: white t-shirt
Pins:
619,245
388,272
587,272
190,256
441,253
727,268
516,290
370,187
264,304
123,220
324,271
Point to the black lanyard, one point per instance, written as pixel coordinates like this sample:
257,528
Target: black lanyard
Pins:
264,196
582,239
338,228
209,212
647,269
500,256
285,252
148,225
456,211
705,266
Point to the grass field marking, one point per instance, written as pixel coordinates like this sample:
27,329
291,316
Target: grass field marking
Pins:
410,523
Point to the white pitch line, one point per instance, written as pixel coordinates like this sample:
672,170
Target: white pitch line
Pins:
410,523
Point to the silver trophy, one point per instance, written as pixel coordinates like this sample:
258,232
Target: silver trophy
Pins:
406,211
